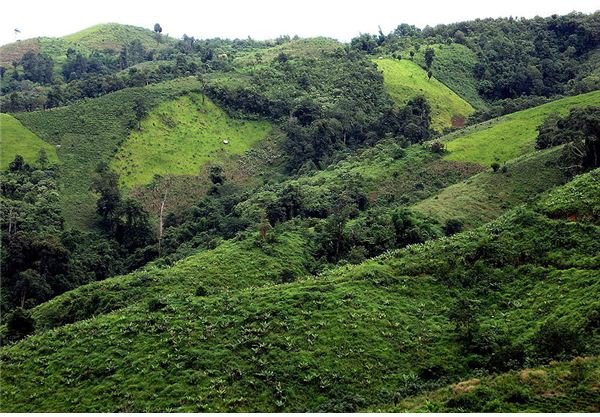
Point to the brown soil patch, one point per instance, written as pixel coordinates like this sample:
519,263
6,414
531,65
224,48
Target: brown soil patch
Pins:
458,121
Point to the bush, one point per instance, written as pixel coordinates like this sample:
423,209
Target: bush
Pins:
495,166
201,291
155,305
19,324
453,226
557,341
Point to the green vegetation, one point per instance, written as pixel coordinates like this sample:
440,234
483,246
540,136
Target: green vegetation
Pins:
454,65
113,36
89,133
508,137
15,139
180,136
405,80
394,321
485,196
561,387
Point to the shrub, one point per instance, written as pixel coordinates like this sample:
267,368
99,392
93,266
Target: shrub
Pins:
201,291
155,305
19,324
556,341
495,166
453,226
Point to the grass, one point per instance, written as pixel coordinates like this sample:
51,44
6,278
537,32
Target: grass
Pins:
90,132
404,80
487,195
15,139
113,36
454,66
510,136
180,136
560,387
353,338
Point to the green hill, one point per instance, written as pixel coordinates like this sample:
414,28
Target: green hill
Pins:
180,136
353,338
96,38
404,80
510,136
15,139
113,36
90,132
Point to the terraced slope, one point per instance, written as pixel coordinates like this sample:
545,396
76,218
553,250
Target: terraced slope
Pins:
90,132
179,136
16,139
509,136
351,339
404,80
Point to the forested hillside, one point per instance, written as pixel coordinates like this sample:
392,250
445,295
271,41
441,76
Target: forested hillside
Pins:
405,222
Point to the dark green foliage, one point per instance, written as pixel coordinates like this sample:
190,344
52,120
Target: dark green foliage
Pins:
37,67
580,131
555,340
19,324
429,55
495,166
453,226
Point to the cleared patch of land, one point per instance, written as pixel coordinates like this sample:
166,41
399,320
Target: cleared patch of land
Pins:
404,80
16,139
180,136
509,136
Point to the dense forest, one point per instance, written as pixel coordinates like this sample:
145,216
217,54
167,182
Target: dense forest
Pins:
420,183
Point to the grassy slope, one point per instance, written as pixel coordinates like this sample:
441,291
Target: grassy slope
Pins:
453,65
485,196
561,387
510,136
113,36
180,136
90,132
99,37
232,265
15,139
354,338
404,80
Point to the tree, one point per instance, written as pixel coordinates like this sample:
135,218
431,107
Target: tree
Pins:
106,183
19,324
580,131
42,159
140,109
429,55
429,74
157,30
17,164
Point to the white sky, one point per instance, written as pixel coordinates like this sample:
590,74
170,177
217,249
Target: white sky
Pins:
262,19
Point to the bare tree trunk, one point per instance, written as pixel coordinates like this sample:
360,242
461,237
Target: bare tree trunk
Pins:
161,220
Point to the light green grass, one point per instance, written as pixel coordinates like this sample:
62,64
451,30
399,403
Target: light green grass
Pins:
509,136
487,195
181,135
404,80
16,139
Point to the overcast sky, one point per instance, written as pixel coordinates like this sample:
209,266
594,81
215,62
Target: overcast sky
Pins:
262,19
